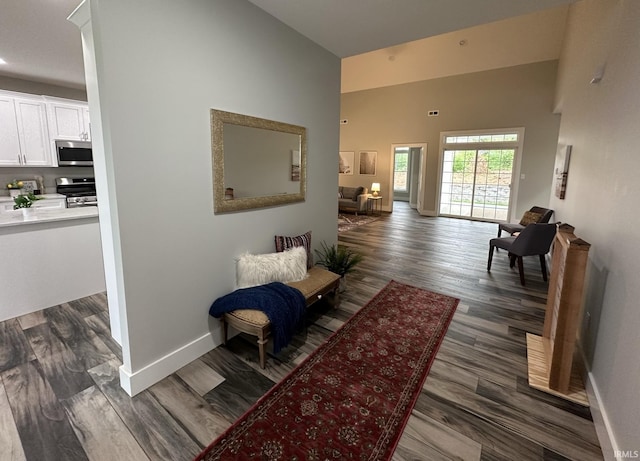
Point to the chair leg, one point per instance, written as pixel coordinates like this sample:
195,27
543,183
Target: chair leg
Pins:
261,343
543,266
225,330
499,231
512,260
521,270
491,247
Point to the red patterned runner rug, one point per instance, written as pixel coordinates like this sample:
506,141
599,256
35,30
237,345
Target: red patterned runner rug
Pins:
352,397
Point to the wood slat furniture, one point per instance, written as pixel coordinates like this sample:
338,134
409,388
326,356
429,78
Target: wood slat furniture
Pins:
319,283
550,356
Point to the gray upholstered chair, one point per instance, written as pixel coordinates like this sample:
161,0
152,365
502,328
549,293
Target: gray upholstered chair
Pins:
535,214
534,240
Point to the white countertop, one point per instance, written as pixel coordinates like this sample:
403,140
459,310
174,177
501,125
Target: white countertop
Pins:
43,215
6,198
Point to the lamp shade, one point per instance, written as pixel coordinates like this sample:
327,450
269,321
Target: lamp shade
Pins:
375,188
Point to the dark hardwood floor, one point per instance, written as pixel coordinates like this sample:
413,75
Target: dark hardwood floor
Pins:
60,397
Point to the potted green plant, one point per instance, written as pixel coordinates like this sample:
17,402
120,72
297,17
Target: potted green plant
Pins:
338,259
23,202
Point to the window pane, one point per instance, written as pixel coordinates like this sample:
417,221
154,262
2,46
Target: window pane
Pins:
400,168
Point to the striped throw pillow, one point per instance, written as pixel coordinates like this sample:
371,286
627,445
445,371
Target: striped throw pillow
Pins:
284,243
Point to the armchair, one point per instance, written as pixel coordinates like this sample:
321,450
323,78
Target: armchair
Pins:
535,239
535,215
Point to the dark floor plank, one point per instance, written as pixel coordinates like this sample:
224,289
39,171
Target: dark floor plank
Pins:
158,434
71,329
576,436
243,385
14,347
99,323
508,445
41,421
90,305
64,372
105,437
191,410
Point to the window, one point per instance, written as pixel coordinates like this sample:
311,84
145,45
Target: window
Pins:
400,169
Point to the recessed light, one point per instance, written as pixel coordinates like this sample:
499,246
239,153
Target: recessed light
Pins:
2,61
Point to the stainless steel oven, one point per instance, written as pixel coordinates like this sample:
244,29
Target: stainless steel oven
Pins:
74,153
79,191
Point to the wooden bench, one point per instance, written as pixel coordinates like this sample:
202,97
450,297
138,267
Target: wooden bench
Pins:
319,283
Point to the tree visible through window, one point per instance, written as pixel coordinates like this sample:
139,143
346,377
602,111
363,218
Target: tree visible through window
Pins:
400,168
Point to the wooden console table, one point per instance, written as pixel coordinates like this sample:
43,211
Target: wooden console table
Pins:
550,356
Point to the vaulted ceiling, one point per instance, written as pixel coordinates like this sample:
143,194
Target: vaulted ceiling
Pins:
39,44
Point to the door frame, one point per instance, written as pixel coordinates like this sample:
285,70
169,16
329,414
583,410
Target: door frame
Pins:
421,176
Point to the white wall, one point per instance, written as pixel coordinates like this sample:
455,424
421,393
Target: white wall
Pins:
602,123
525,39
161,66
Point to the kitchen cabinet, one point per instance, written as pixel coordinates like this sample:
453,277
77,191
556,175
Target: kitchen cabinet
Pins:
23,131
68,120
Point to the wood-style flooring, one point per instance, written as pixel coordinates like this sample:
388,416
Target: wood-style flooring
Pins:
60,397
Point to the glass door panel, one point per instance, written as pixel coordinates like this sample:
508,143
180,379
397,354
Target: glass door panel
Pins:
476,183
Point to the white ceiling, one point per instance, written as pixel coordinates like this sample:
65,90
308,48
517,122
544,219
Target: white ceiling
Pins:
350,27
39,44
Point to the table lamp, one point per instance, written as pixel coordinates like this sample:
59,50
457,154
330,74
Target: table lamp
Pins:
375,188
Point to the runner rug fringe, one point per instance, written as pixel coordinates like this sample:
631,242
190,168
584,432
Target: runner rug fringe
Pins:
352,397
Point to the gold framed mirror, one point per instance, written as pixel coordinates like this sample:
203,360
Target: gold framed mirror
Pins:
257,162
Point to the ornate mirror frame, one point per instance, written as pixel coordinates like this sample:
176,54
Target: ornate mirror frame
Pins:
220,204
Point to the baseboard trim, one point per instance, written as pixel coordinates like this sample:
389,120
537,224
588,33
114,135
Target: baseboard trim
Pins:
134,383
601,421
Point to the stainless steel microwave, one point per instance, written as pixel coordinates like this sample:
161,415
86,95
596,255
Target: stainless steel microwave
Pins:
74,153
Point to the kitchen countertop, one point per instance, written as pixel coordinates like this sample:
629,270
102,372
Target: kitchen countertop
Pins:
6,198
44,215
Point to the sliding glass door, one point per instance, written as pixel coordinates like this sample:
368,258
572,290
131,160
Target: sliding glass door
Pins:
476,176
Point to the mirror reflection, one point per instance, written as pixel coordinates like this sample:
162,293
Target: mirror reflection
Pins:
256,162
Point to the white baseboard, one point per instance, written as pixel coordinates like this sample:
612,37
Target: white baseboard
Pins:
601,421
134,383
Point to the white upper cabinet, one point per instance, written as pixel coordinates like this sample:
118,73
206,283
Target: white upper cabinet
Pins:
68,120
10,153
24,139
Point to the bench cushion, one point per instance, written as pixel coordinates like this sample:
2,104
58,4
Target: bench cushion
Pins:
317,281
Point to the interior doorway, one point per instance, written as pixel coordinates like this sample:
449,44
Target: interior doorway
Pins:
407,172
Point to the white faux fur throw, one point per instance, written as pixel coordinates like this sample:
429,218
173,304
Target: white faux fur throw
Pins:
286,266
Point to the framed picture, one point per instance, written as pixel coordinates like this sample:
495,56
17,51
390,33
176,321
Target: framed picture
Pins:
561,171
346,163
29,186
368,160
562,160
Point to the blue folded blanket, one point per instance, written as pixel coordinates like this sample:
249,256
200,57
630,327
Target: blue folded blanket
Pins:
283,305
